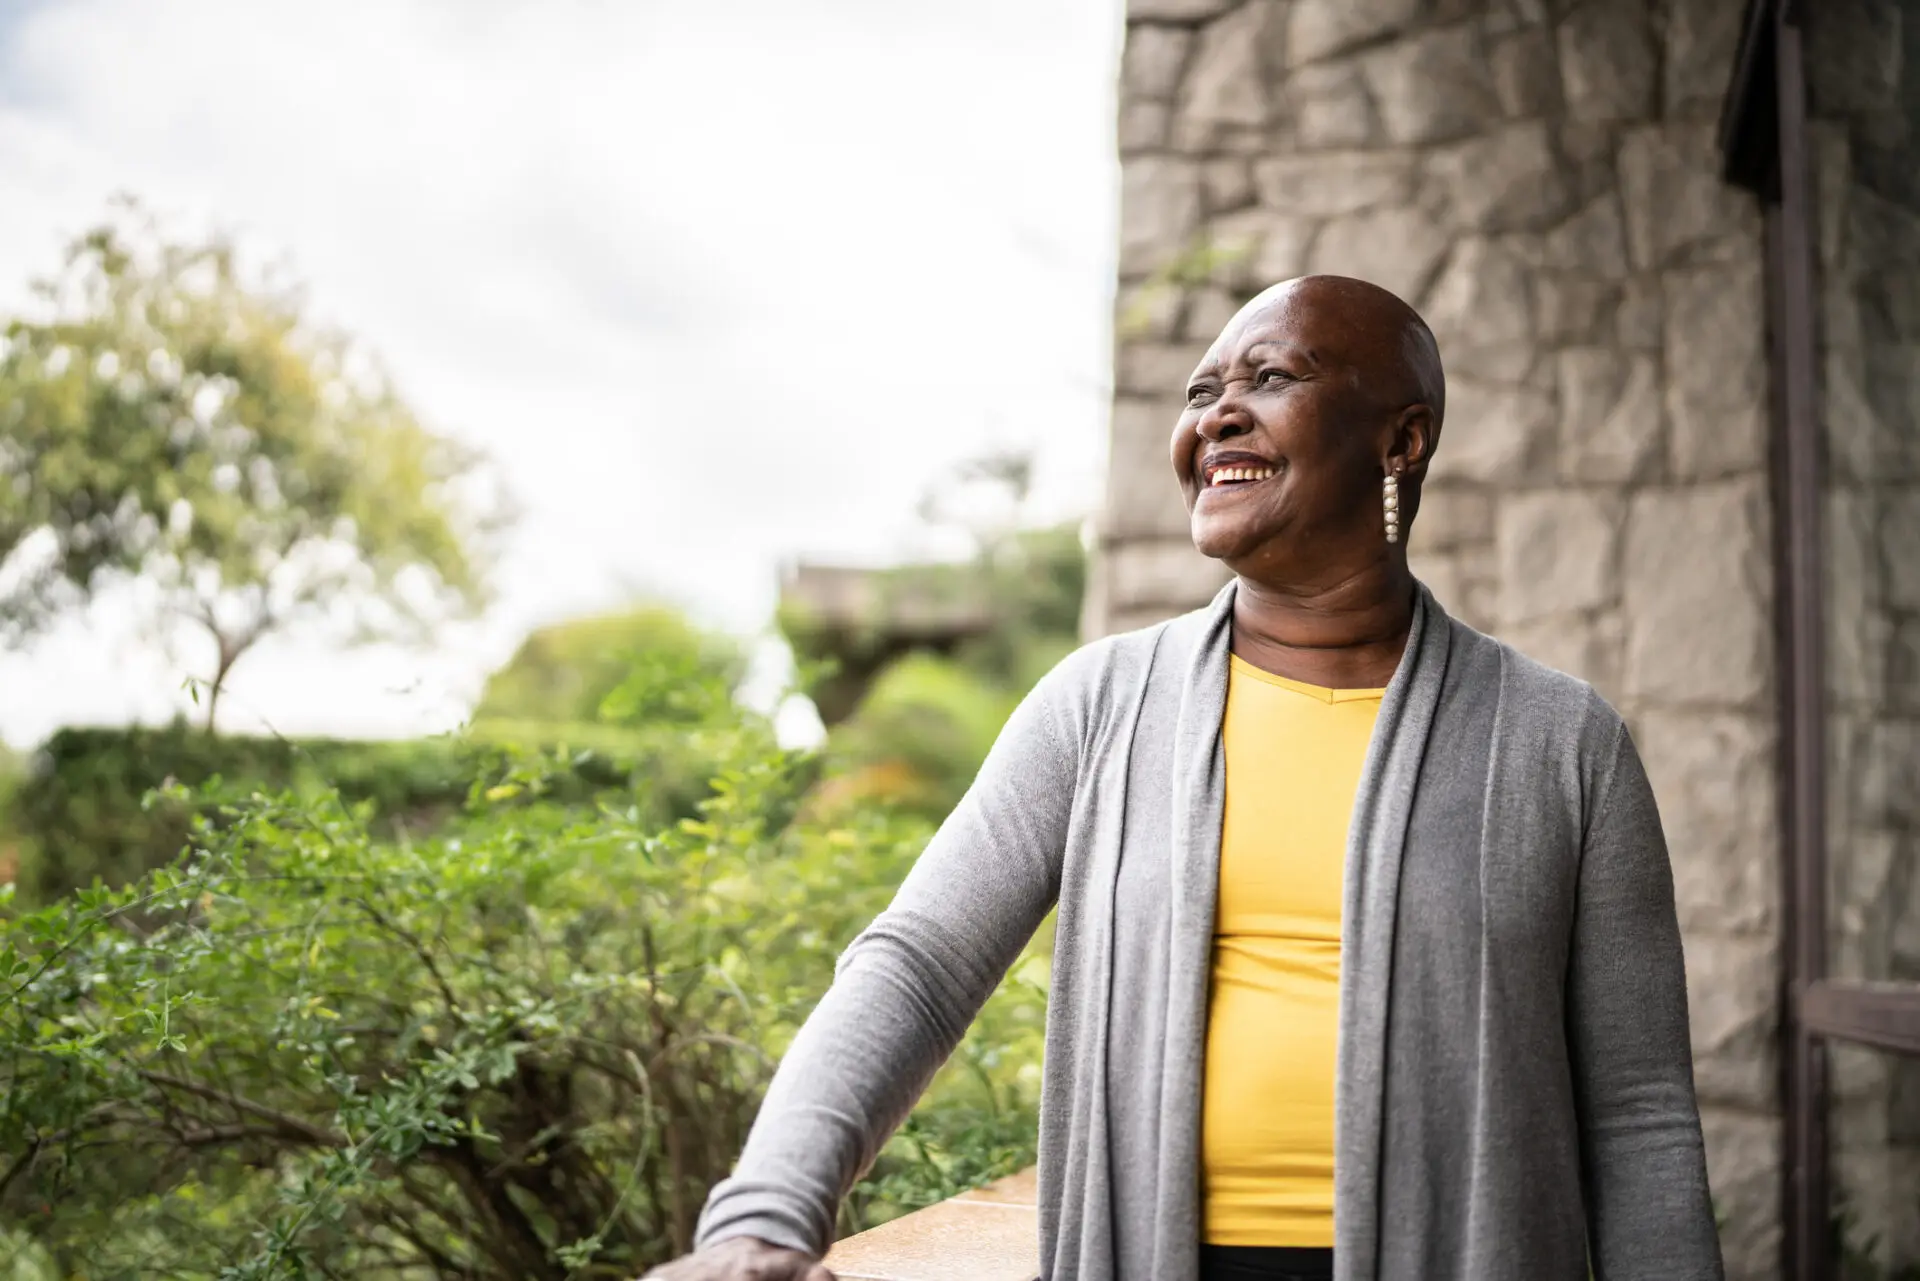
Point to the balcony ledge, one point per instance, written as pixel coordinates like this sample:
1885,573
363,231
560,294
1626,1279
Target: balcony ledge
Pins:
988,1234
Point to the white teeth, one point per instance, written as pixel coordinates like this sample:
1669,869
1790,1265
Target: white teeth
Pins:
1229,474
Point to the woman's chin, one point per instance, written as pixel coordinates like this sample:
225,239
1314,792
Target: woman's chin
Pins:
1219,539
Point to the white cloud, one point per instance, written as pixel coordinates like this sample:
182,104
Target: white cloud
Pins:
718,284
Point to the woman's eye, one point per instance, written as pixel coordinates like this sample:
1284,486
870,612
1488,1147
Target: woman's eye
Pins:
1197,394
1269,376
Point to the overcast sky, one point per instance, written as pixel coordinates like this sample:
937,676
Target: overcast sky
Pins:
718,282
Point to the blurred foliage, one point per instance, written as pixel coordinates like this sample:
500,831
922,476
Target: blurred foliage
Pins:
928,714
633,681
918,737
167,417
523,1046
83,812
566,671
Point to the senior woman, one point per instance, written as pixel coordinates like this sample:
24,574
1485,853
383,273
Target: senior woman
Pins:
1366,964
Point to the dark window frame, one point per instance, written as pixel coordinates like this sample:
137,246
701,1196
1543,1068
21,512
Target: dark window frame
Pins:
1763,144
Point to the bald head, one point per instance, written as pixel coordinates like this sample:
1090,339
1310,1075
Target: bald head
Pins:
1384,345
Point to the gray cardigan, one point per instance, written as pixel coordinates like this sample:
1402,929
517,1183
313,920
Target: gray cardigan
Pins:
1514,1083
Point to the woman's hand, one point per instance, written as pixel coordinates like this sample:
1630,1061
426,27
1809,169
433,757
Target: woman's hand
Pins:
742,1259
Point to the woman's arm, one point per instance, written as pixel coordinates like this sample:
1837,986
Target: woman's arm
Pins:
1648,1211
907,988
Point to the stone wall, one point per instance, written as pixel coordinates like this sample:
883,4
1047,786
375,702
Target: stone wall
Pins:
1541,181
1863,77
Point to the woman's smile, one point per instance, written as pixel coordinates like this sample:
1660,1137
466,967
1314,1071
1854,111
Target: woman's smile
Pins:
1231,472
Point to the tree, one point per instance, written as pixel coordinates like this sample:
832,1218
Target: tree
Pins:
172,420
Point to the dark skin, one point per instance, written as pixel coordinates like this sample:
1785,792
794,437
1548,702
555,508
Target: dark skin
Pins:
1330,384
1325,383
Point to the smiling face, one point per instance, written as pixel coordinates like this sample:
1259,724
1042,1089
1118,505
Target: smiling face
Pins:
1309,397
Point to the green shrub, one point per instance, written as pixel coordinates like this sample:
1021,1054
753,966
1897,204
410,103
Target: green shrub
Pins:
920,734
564,672
523,1045
81,813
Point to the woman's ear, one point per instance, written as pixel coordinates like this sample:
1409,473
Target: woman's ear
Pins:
1414,434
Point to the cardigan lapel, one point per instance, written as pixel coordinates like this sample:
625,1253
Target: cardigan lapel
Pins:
1375,840
1199,797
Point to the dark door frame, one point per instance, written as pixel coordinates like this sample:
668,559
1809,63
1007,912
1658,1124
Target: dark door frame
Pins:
1763,138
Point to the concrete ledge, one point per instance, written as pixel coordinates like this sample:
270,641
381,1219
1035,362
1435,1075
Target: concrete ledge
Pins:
989,1234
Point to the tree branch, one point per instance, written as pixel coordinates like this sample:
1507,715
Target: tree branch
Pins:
284,1123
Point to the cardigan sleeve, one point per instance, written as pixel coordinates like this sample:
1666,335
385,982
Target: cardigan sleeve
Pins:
906,989
1648,1210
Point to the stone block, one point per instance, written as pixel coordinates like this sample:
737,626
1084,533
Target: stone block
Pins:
1637,325
1159,212
1866,880
1139,11
1591,149
1900,547
1237,57
1587,646
1142,499
1494,435
1858,624
1903,667
1717,385
1443,573
1143,127
1155,370
1732,990
1507,179
1451,517
1167,573
1226,185
1592,240
1885,794
1329,108
1678,207
1854,56
1526,72
1857,444
1743,1169
1397,249
1481,312
1558,552
1148,310
1698,593
1319,29
1713,774
1607,60
1208,311
1255,247
1701,36
1610,415
1151,64
1333,184
1432,86
1573,309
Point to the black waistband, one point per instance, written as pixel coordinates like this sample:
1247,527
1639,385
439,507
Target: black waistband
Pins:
1264,1263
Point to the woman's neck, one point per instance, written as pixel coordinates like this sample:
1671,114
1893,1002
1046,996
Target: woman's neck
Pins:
1343,634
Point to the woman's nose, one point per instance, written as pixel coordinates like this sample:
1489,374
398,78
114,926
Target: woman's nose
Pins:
1223,420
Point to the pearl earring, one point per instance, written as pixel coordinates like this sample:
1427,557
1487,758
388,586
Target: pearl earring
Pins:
1391,499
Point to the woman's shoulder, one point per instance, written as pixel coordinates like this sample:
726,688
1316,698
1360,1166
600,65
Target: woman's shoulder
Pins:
1559,704
1105,663
1097,682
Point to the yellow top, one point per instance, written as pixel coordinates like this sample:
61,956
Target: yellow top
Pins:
1293,755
